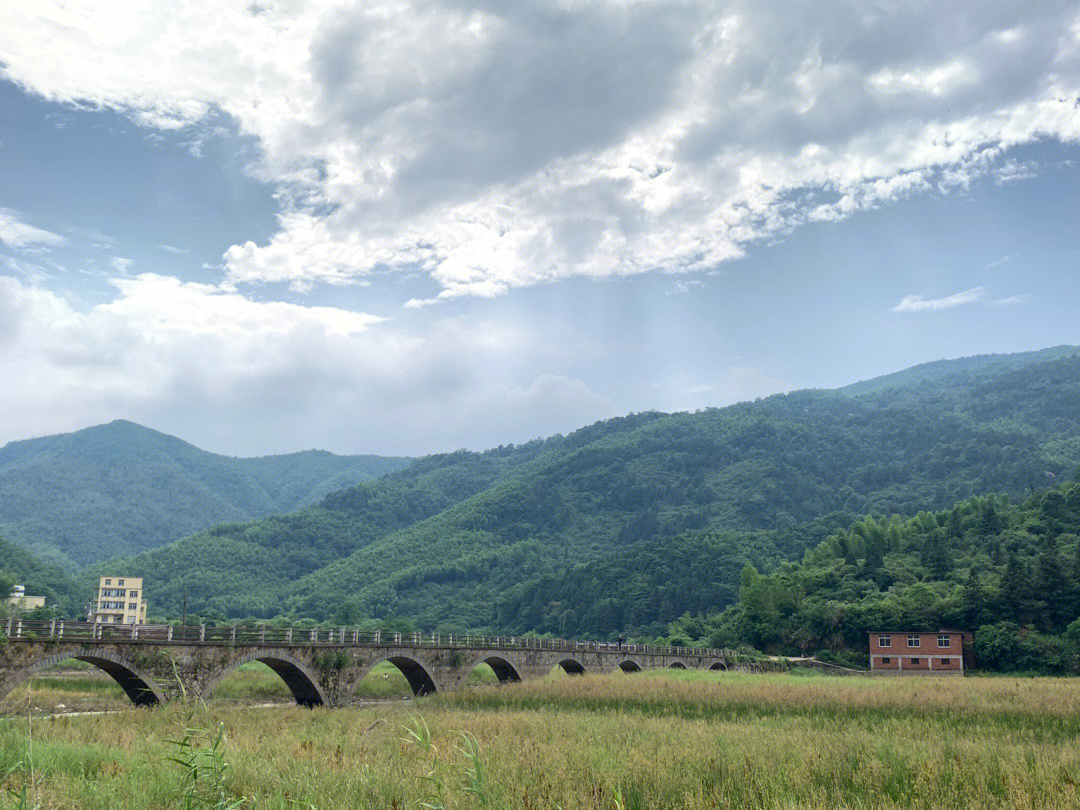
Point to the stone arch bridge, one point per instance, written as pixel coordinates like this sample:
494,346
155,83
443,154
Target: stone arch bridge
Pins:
154,664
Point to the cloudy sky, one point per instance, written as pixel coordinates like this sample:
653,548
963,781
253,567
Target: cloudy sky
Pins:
412,227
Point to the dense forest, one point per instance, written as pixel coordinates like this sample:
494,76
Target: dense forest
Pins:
1008,573
19,566
120,488
491,540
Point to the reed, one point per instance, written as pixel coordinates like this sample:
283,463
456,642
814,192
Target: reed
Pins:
678,740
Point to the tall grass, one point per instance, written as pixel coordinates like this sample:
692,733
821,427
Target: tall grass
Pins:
678,740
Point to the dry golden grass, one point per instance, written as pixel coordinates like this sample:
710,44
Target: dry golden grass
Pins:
678,740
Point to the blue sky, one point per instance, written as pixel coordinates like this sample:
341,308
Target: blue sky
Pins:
446,225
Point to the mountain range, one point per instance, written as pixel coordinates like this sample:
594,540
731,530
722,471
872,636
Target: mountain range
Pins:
625,524
77,498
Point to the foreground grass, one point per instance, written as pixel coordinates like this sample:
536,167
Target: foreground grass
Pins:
691,740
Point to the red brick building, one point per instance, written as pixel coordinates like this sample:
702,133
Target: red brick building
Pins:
905,653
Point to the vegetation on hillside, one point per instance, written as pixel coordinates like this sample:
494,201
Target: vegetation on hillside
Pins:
1008,573
461,541
119,488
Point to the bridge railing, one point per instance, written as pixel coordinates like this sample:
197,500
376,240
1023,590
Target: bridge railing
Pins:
59,630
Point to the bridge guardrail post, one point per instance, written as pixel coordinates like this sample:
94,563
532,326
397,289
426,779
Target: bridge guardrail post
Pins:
288,635
202,633
134,632
170,633
60,632
52,629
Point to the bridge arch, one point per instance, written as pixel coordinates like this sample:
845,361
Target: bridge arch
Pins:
504,670
420,680
137,685
719,665
676,665
629,665
300,680
572,666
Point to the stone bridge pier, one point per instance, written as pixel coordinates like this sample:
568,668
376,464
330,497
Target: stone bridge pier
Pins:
320,667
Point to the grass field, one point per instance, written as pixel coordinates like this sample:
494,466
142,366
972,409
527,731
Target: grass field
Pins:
670,739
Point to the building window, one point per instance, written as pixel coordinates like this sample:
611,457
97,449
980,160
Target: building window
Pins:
943,641
913,640
133,594
886,660
884,641
916,661
132,606
120,582
108,582
946,662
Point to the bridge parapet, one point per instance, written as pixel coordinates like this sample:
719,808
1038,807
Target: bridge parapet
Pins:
320,665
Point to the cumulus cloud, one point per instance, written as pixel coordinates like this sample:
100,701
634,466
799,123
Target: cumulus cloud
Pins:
245,376
18,234
498,146
916,303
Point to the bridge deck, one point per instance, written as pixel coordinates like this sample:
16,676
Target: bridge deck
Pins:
265,635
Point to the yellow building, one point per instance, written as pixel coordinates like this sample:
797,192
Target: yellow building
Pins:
20,601
119,601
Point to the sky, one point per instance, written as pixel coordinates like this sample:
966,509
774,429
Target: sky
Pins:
409,228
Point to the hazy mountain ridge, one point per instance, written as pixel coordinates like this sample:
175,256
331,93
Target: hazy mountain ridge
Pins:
120,488
446,541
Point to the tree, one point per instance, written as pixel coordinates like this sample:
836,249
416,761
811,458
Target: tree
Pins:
7,582
1054,588
1016,589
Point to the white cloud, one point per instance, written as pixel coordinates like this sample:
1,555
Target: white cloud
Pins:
245,376
1010,300
17,234
120,264
916,303
506,145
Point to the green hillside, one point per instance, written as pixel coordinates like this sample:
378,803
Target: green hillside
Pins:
980,364
19,567
1010,573
453,541
120,488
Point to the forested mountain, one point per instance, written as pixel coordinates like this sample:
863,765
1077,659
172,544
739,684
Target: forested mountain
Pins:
482,540
120,488
19,567
1009,573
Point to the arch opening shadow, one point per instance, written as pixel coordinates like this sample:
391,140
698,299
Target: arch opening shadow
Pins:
419,680
303,689
503,669
140,689
572,667
630,666
676,665
253,680
719,666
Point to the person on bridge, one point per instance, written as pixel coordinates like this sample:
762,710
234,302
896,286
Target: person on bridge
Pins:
619,641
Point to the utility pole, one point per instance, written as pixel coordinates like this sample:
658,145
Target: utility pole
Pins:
183,620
